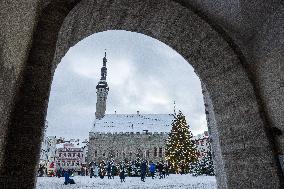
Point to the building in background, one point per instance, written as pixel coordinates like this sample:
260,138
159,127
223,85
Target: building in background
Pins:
47,153
126,137
202,143
71,154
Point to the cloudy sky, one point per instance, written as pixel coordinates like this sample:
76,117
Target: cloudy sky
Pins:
143,74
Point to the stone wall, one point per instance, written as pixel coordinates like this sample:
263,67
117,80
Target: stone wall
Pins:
215,143
17,23
118,146
267,55
234,46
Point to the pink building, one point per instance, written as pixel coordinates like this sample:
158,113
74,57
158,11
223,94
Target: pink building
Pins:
71,155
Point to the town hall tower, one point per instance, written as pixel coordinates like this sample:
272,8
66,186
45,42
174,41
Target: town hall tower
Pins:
102,92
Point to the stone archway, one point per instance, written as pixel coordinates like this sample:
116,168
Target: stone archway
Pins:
247,159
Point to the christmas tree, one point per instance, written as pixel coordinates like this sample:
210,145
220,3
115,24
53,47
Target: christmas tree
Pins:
204,166
180,148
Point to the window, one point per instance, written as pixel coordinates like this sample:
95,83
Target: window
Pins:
104,154
96,153
155,152
160,152
148,153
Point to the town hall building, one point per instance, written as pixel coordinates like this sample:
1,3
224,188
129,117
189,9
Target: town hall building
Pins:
126,137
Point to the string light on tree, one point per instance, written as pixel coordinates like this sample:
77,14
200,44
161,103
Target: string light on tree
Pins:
180,148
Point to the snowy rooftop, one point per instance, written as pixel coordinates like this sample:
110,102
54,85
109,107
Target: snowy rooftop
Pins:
205,134
112,123
72,144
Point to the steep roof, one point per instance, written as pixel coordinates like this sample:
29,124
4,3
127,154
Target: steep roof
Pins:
133,123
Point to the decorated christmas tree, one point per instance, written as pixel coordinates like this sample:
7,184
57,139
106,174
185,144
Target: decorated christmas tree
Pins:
180,148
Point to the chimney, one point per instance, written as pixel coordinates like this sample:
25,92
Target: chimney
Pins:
138,113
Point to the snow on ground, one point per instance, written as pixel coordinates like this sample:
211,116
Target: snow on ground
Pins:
171,182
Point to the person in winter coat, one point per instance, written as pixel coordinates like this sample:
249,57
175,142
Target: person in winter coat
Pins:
67,178
96,170
143,168
102,170
167,169
152,169
164,171
91,172
91,165
113,170
109,171
160,168
122,172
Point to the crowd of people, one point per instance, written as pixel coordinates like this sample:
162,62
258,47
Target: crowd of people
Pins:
122,169
110,169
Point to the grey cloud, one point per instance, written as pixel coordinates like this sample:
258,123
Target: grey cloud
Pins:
154,71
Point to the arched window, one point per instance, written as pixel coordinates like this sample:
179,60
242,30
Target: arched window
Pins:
155,152
147,153
160,152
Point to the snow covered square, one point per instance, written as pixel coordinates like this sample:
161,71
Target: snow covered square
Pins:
170,182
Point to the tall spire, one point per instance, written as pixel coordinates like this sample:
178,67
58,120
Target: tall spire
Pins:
102,91
104,69
105,59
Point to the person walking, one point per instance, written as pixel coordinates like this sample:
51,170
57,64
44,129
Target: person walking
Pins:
102,170
122,172
160,168
152,169
67,178
143,169
91,165
167,169
164,171
113,170
96,170
109,170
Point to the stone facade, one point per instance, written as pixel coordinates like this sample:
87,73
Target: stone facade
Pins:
128,136
127,146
